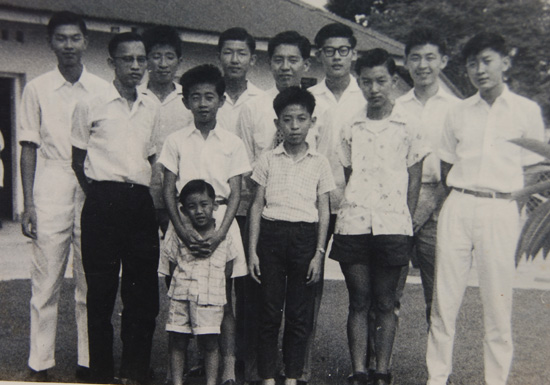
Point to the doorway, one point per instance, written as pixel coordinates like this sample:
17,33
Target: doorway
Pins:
7,100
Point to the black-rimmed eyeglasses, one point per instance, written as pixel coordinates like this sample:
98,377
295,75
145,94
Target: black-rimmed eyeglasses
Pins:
342,51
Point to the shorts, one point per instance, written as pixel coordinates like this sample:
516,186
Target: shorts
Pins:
191,318
383,250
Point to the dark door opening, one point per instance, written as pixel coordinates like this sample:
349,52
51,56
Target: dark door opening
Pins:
6,124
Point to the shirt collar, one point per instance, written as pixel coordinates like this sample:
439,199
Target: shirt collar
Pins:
192,130
59,81
280,150
504,97
113,94
352,87
398,116
176,93
440,94
250,91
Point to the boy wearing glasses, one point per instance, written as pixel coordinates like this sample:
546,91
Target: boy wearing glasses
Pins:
53,199
113,138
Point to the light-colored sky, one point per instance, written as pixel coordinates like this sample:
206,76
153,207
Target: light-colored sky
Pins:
316,3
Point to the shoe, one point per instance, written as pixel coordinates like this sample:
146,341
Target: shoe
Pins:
197,370
229,382
82,374
38,376
382,379
359,378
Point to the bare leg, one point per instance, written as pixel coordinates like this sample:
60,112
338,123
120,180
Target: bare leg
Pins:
178,350
269,381
385,281
358,283
210,347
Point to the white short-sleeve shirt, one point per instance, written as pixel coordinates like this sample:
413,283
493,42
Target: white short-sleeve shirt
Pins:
337,113
215,159
379,152
476,138
47,106
118,140
432,117
228,115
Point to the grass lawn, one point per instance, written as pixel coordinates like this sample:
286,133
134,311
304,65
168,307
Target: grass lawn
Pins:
531,322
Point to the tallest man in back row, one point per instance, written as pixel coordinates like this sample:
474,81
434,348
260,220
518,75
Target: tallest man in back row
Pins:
53,199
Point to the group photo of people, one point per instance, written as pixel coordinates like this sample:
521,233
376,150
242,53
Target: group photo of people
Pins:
188,185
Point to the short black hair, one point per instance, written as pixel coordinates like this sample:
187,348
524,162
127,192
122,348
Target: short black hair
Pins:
238,34
205,73
122,38
376,57
294,96
335,30
482,41
196,186
290,38
422,36
162,35
66,18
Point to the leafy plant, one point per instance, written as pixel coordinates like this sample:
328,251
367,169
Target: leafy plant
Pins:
535,235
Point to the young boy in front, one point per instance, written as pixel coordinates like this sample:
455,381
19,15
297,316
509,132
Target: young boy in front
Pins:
482,168
288,227
382,152
197,291
204,150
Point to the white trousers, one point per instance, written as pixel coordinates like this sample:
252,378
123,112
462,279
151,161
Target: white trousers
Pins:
58,201
485,229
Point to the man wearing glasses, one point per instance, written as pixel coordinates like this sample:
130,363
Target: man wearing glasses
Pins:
113,138
339,95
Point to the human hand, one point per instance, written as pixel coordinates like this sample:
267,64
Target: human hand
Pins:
163,220
315,269
194,242
28,223
214,240
254,267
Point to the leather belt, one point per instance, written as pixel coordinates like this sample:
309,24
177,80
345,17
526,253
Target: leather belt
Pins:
484,194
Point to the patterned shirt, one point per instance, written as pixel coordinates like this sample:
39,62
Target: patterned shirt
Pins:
118,140
292,186
201,280
379,153
476,141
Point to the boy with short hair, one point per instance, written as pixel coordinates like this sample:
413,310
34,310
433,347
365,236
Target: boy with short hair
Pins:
197,291
164,56
113,138
427,101
482,168
289,58
53,198
206,151
382,152
288,227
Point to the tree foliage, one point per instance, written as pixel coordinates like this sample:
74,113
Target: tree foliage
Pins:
524,23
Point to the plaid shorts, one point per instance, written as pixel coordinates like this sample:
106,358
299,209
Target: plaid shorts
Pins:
191,318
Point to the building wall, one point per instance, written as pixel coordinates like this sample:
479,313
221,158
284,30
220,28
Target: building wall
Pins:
26,59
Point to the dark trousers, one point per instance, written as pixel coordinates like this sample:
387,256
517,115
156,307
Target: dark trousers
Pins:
285,250
119,227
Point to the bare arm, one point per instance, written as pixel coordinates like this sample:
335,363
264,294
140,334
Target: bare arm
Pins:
232,206
413,189
28,170
254,217
79,156
316,264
